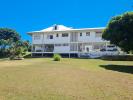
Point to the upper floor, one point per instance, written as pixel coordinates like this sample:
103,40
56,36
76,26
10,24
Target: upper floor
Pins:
62,34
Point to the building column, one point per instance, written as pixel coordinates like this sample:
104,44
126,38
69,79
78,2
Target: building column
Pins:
70,50
42,49
42,44
82,47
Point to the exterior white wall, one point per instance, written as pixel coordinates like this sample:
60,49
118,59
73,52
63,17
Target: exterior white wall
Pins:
60,40
48,41
62,49
56,40
37,41
91,38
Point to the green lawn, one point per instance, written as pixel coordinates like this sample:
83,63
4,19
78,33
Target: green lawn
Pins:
69,79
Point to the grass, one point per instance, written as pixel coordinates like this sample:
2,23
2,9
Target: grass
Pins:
69,79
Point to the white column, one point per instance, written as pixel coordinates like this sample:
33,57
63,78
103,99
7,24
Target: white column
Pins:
54,49
82,47
69,50
42,43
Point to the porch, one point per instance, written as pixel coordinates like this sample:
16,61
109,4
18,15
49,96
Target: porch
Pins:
67,48
41,48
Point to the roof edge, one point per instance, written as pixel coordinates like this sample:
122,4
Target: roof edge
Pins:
80,29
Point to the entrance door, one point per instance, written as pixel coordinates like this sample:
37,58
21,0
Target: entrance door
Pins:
88,48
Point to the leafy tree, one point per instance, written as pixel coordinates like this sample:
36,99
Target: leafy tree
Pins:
17,50
27,45
11,44
119,31
7,37
6,33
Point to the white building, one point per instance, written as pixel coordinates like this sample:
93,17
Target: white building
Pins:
66,40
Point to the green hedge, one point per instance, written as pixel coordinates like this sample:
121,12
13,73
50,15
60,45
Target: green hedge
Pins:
118,58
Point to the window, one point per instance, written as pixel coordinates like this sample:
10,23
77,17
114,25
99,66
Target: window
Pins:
37,37
80,34
66,44
57,45
57,35
64,34
113,49
49,36
55,27
111,46
87,33
103,49
98,34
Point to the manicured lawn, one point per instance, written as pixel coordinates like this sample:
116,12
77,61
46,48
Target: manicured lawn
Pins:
70,79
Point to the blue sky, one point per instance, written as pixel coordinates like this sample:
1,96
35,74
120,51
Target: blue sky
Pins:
32,15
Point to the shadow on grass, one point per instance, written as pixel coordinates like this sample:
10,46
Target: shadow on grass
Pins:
119,68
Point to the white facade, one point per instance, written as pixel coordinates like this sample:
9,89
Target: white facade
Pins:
62,39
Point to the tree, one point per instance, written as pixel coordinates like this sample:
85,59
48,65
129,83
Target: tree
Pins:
6,33
119,31
18,49
27,45
7,37
11,44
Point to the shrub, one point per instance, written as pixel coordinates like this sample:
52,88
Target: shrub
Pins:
28,55
57,57
11,57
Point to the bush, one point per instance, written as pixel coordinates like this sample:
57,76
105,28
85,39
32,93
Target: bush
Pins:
27,55
11,57
57,57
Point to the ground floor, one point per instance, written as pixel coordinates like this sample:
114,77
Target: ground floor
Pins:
67,48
